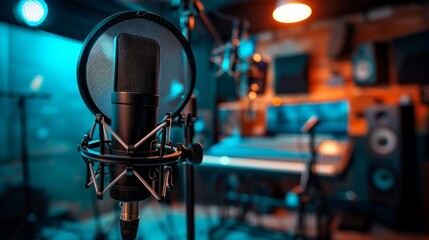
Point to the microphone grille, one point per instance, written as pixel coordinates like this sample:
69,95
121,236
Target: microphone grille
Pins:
136,64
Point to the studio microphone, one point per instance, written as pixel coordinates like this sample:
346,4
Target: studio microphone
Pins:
134,115
121,81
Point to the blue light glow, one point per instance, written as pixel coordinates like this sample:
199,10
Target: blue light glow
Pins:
224,160
32,12
226,60
176,88
36,83
246,48
199,125
291,200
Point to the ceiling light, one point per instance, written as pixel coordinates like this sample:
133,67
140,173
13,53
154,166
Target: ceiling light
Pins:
32,12
290,11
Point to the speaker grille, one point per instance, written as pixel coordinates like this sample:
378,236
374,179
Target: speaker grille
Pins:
392,166
370,61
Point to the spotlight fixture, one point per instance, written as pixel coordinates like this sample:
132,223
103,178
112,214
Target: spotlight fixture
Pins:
290,11
31,12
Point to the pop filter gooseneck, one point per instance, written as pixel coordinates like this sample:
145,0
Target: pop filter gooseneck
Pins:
136,72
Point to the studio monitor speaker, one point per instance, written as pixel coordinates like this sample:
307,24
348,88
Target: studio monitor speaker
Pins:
393,187
370,64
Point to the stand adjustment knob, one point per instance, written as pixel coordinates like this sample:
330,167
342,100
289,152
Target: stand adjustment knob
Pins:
193,153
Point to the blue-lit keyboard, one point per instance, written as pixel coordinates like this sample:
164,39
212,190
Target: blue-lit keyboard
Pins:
288,153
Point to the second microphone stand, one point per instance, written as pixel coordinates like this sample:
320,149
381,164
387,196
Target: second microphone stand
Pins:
29,215
309,189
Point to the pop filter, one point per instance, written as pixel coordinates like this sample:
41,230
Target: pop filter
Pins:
96,62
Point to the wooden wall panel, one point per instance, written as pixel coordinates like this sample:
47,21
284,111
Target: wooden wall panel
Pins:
313,38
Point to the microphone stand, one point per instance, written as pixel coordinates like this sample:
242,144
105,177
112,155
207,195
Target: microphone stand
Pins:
309,188
187,25
22,106
187,22
189,171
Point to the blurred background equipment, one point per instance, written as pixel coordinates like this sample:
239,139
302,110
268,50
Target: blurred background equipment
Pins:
370,66
360,67
393,184
26,223
291,74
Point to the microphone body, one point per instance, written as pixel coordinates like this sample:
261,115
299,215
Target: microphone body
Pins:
134,115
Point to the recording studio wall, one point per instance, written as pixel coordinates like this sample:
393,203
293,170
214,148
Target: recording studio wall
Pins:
38,62
364,40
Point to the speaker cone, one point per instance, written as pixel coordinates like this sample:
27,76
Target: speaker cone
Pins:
383,141
383,179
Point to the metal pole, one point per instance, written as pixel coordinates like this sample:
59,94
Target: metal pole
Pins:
187,24
22,107
24,152
190,194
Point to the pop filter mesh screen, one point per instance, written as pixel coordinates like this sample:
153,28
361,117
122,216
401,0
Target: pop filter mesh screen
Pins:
174,81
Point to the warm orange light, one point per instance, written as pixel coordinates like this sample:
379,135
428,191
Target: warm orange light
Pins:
254,87
257,57
329,148
252,95
290,12
277,101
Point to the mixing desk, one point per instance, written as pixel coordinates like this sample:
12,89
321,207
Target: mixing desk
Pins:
286,153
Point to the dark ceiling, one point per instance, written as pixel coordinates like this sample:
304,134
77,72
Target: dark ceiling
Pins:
76,18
